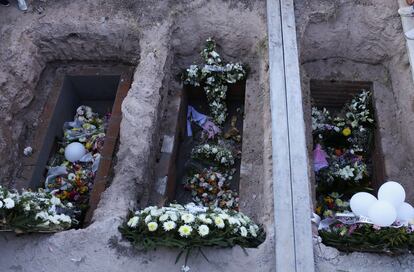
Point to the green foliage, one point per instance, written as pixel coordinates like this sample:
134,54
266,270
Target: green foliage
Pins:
366,238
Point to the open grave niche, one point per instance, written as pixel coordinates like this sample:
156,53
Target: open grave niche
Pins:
69,86
183,177
334,95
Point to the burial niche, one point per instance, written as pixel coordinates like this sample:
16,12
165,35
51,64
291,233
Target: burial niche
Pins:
200,161
82,112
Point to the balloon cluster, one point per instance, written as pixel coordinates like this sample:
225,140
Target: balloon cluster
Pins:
385,210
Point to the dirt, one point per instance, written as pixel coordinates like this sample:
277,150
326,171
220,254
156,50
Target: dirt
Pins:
159,38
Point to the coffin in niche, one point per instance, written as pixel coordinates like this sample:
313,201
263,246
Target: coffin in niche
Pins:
102,88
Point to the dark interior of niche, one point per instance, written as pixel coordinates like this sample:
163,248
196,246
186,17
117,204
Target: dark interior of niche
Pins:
101,87
333,95
180,159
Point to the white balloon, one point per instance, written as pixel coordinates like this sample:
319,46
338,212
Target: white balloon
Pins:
361,202
392,192
382,213
405,212
74,151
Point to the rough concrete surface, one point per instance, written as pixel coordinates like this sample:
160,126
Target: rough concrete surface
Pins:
160,38
363,40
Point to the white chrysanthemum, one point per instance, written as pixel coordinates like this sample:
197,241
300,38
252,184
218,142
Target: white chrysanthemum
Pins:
147,219
252,231
64,218
169,225
188,218
185,230
9,203
156,212
234,221
152,226
224,216
42,215
243,231
203,230
163,217
133,222
219,222
173,216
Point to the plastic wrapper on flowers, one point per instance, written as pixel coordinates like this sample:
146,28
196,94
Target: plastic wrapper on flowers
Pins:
190,227
33,212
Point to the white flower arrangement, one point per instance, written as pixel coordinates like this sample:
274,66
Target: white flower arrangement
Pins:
214,77
193,227
214,154
33,212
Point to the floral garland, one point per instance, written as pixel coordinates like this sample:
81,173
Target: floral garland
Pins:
214,154
214,77
33,212
191,227
211,189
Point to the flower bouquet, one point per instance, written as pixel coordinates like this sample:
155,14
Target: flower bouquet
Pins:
211,188
213,154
